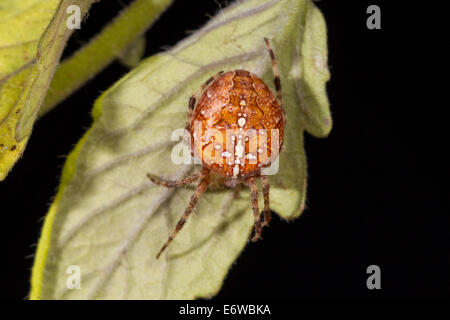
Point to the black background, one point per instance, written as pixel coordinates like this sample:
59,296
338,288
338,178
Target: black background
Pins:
377,190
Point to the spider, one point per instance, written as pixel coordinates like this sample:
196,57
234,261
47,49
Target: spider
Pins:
236,129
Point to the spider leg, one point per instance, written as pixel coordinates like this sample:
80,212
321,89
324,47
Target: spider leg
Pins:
266,188
202,186
175,183
276,72
254,197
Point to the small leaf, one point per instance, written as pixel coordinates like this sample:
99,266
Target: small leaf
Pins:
109,220
33,34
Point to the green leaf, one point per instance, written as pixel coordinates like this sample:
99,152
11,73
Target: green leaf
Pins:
25,75
33,34
110,221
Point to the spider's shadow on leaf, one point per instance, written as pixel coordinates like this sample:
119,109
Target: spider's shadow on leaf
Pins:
214,232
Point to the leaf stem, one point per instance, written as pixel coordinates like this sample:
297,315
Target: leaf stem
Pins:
102,50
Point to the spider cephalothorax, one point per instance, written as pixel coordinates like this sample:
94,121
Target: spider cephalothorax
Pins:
236,128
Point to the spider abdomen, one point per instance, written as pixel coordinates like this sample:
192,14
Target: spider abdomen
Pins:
237,125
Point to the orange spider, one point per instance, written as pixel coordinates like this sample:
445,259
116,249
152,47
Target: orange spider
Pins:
236,129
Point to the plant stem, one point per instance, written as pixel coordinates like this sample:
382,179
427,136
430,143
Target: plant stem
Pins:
102,50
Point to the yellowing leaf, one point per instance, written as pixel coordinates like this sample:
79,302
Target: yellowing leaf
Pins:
33,34
108,221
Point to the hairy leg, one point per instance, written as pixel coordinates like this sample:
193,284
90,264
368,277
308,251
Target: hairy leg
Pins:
276,72
254,198
175,183
202,186
266,189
